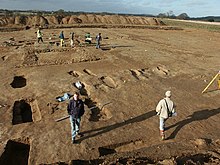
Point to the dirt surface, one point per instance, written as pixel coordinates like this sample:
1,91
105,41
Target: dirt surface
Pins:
124,80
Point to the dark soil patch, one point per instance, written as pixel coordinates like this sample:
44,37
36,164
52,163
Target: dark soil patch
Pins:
95,115
18,82
105,151
21,112
15,153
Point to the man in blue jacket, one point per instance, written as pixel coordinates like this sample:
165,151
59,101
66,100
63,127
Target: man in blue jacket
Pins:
61,36
75,109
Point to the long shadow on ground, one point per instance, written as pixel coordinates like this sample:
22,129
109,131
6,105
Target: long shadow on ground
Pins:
196,116
117,125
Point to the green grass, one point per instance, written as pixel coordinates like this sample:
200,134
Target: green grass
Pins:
215,28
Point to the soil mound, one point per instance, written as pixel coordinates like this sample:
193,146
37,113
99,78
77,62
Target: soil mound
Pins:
52,20
38,20
78,19
65,20
73,20
21,20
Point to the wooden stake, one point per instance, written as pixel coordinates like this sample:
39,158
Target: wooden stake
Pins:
210,83
62,118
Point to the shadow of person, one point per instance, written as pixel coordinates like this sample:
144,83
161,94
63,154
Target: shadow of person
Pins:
105,129
196,116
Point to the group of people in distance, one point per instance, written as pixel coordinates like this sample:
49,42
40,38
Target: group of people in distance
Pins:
88,38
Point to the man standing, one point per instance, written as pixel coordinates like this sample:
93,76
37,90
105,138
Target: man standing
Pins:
61,38
165,109
75,109
72,39
98,39
39,36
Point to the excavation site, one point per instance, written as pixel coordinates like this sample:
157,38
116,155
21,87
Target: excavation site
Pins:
120,83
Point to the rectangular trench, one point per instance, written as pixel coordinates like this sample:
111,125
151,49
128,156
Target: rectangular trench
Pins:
16,153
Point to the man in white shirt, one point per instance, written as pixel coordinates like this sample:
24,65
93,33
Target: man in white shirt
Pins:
39,36
165,109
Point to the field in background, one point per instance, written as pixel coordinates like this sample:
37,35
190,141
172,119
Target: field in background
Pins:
193,24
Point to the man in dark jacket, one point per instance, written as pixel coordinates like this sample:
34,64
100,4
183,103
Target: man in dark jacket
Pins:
98,40
75,109
72,39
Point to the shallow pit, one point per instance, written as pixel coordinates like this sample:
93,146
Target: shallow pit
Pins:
18,82
106,151
22,112
16,153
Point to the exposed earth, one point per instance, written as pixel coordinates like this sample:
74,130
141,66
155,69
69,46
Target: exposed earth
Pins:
77,19
123,82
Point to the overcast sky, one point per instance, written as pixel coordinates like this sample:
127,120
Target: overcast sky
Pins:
194,8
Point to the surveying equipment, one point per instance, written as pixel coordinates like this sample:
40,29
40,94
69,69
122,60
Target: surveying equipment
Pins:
216,76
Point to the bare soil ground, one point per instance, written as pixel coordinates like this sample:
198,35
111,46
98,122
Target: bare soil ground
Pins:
124,80
77,19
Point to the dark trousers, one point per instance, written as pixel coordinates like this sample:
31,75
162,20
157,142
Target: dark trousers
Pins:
40,39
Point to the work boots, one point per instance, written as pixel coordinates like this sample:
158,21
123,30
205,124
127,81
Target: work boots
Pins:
162,134
79,135
74,141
